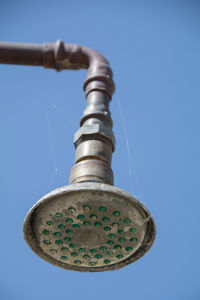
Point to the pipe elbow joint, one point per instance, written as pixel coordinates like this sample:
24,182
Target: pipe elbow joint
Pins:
74,57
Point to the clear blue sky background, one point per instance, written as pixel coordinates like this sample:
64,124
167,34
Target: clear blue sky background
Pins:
154,50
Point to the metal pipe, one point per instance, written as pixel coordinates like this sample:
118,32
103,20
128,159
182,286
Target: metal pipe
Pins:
87,205
21,54
94,141
62,56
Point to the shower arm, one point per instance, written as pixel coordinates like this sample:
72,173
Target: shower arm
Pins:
94,141
86,206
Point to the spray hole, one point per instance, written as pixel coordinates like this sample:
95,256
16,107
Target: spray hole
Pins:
72,210
46,232
106,261
104,248
61,226
69,220
115,224
110,242
59,215
87,208
129,248
117,247
107,228
64,249
75,226
121,239
46,242
81,250
49,222
77,262
57,234
93,216
105,219
98,256
132,240
93,250
119,256
86,256
86,223
127,221
98,224
59,242
67,239
116,213
53,251
111,235
102,208
64,257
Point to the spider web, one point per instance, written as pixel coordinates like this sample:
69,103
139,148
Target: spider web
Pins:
130,153
56,170
133,178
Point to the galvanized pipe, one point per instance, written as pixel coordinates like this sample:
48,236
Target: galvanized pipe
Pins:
21,54
90,200
62,56
95,140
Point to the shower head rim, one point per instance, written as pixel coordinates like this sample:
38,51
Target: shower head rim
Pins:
90,186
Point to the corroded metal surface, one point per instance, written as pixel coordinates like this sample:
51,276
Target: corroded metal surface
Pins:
94,149
89,227
96,123
91,170
62,56
98,130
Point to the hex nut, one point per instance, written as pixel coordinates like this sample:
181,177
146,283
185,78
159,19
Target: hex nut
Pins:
98,130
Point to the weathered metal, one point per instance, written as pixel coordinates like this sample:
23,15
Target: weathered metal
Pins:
88,225
62,56
96,130
88,247
94,149
96,123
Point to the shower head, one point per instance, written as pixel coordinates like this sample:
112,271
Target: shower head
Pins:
89,227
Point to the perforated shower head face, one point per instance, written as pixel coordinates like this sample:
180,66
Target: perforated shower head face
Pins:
89,227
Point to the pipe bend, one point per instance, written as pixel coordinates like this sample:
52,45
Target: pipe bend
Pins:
62,56
100,75
74,57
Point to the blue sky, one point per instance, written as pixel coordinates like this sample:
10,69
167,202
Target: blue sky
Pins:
154,50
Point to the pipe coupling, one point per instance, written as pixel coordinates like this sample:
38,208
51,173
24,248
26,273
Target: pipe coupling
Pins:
94,131
91,170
